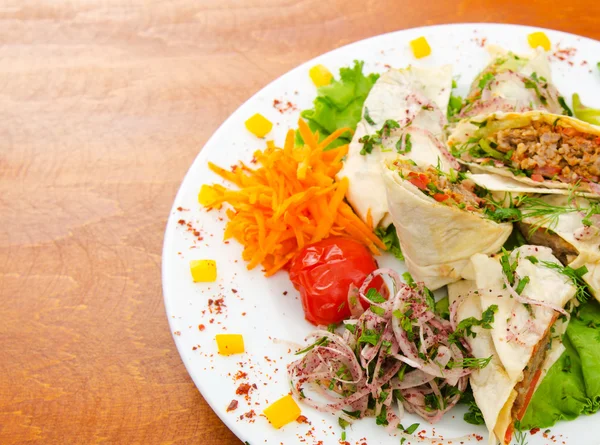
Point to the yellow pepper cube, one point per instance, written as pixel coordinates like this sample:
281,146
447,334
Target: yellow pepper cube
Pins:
320,75
203,271
229,344
259,125
420,47
539,39
282,412
207,196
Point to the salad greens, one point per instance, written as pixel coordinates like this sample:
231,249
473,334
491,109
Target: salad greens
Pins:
339,104
572,386
587,114
391,241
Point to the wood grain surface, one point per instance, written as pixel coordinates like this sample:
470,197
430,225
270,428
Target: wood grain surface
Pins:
103,106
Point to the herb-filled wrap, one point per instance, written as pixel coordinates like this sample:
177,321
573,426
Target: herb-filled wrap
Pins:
512,83
402,117
508,312
441,220
570,226
536,148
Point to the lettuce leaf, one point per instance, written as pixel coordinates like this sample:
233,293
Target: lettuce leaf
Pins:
572,386
339,104
389,237
584,113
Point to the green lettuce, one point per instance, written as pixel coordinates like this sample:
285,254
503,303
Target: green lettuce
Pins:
391,241
587,114
339,104
572,386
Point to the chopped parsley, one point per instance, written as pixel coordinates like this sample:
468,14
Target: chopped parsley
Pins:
353,414
532,83
411,429
480,124
350,327
369,336
343,423
370,141
474,415
381,419
485,80
521,286
409,279
405,323
407,143
509,268
368,117
377,310
374,296
455,104
322,341
465,327
565,107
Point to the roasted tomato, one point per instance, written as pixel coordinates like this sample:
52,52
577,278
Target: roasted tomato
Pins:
323,273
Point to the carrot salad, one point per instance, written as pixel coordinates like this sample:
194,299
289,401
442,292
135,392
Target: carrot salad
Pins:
290,201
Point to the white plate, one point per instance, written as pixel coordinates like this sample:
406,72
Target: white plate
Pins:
260,309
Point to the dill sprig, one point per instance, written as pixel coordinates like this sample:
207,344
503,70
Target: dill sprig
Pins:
547,215
575,275
520,436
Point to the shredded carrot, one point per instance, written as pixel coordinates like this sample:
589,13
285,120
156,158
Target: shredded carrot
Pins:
369,220
291,200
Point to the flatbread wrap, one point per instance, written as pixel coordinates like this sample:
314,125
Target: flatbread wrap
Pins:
440,221
527,298
403,115
513,83
570,226
537,149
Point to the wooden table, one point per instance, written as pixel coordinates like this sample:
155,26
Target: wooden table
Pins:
103,106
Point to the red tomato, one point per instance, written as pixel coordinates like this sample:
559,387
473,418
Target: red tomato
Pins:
419,180
323,272
440,197
546,171
537,178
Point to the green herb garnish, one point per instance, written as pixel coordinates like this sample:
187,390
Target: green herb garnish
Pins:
391,241
322,341
369,336
565,107
374,296
576,276
368,117
465,327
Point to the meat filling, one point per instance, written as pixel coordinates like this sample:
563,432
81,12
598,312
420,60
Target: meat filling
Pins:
552,152
523,388
563,250
451,189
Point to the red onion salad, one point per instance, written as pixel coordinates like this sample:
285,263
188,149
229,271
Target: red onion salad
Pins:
397,350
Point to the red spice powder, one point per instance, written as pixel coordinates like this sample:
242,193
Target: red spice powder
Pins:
240,375
302,419
232,405
243,389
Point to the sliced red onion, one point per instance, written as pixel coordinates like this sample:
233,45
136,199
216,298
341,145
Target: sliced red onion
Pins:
322,366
